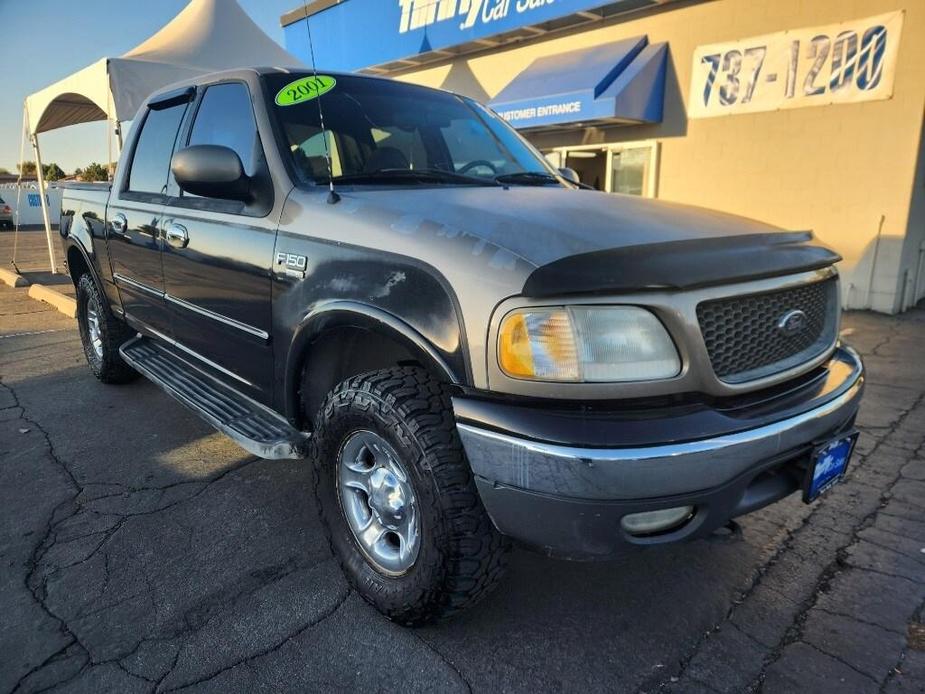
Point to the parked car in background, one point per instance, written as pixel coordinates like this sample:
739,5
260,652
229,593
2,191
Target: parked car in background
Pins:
6,215
469,349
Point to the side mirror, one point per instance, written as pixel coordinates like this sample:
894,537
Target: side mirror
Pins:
569,175
211,171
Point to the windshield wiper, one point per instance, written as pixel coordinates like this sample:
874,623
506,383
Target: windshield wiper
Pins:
528,178
413,176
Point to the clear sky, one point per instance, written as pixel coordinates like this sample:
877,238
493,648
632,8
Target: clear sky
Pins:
42,41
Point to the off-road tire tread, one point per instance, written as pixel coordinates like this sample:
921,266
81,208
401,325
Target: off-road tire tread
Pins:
420,408
113,332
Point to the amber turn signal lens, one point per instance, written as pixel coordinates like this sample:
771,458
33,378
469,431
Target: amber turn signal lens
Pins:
538,344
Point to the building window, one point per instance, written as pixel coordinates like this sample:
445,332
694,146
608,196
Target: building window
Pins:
630,168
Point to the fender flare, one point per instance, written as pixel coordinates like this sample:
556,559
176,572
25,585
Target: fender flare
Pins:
81,237
339,314
72,241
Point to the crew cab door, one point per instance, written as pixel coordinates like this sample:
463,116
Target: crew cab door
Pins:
218,254
134,216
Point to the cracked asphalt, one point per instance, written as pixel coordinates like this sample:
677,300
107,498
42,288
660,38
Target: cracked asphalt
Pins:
141,551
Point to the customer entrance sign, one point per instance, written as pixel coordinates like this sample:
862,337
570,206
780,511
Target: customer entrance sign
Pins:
840,63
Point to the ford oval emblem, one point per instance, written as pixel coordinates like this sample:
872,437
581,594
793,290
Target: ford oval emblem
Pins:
793,323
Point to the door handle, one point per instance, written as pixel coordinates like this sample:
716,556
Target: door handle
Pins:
177,236
119,223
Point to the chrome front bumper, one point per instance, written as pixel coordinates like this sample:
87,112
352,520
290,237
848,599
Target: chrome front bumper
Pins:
719,471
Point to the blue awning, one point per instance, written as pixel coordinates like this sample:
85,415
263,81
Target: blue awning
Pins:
622,82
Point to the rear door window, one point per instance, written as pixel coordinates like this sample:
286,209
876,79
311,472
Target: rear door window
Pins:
151,162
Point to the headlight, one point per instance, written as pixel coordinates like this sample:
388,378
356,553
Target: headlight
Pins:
602,344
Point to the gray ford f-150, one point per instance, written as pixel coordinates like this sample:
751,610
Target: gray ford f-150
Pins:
388,281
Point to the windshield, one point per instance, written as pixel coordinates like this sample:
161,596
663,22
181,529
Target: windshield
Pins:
384,132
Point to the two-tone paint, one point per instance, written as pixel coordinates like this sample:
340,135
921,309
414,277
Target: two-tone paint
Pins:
267,296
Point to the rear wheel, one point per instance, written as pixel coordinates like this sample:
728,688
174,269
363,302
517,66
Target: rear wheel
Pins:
397,499
102,334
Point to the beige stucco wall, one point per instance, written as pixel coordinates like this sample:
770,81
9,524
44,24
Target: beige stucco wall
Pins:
843,171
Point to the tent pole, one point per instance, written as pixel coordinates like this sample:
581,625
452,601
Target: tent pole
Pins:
22,163
40,176
114,127
109,146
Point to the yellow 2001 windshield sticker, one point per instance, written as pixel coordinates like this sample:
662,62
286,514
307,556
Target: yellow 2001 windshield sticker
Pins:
305,89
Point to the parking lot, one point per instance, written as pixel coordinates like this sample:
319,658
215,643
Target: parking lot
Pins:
140,551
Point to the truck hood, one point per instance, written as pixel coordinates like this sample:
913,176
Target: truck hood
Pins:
581,241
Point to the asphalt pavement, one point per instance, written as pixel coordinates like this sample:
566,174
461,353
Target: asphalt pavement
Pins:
141,551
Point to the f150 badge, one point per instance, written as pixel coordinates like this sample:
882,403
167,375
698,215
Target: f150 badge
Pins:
293,265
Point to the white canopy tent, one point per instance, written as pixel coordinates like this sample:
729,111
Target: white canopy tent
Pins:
208,35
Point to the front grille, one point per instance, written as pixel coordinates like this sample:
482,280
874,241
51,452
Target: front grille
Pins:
743,337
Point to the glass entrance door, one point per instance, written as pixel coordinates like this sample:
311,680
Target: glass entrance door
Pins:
629,168
590,165
630,171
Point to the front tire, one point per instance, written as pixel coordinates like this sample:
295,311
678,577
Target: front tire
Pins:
101,334
397,499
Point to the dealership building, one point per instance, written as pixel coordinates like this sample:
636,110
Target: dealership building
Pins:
807,115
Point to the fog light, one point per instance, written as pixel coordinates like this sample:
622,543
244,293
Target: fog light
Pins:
656,521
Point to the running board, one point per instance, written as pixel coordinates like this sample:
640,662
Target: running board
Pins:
255,428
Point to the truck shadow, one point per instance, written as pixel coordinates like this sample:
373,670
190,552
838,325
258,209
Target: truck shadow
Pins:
174,536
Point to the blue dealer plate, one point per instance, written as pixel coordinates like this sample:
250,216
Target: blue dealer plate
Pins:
828,465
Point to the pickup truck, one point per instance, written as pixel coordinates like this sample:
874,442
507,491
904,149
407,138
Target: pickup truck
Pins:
6,215
467,348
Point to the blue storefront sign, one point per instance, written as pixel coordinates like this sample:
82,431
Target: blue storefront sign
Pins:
356,34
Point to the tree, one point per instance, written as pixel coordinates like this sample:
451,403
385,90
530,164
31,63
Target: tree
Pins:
52,172
94,172
4,171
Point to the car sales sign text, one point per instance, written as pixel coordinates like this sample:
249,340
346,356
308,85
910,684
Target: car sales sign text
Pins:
835,64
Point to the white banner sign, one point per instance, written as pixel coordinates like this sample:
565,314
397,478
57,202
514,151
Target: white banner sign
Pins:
835,64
